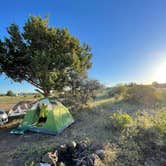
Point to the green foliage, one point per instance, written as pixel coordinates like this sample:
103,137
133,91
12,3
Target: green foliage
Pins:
117,91
142,139
45,56
119,121
10,93
144,120
160,124
38,95
81,91
142,95
129,152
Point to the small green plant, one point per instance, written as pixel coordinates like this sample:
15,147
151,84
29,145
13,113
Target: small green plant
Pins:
160,124
143,120
119,121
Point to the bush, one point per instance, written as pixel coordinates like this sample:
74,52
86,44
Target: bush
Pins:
81,93
117,91
160,124
143,120
110,154
10,93
119,121
38,95
142,95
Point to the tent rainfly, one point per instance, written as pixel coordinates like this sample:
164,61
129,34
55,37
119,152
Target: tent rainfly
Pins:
45,116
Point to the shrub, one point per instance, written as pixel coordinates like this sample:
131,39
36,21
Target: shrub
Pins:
160,124
38,95
119,121
110,154
117,91
129,153
142,95
159,120
143,120
10,93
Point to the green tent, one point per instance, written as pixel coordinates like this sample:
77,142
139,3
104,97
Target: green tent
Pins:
46,116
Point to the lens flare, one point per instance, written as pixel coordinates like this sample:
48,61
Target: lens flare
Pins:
160,75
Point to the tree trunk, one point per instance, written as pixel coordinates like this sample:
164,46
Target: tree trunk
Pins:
46,93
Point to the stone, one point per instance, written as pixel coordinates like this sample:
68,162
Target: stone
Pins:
53,157
62,164
100,153
95,146
46,159
81,147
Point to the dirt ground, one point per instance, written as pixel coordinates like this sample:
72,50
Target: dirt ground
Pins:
6,106
15,149
10,144
90,126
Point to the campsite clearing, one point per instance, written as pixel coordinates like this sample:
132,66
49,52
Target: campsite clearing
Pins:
91,125
16,149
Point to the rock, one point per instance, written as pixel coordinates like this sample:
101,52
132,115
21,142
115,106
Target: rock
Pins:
71,147
89,161
43,164
73,144
100,153
62,164
94,156
95,146
38,164
63,147
96,160
78,163
46,159
81,147
53,157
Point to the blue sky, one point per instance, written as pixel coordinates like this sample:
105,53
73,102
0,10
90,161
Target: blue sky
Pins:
128,37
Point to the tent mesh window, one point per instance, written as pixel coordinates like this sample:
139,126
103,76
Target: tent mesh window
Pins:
42,113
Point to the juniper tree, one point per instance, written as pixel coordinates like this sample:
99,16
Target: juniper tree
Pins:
42,55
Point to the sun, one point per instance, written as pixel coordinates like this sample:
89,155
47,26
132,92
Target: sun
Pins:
160,74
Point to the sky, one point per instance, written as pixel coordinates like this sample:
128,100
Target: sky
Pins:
127,37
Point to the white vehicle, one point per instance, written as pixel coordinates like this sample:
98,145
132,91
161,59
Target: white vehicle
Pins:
3,117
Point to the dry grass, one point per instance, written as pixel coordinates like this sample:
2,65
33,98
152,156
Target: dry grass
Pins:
6,102
11,123
6,106
89,125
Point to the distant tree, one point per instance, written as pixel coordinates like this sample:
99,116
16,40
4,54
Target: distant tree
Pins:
82,90
38,95
117,91
44,56
155,83
10,93
92,86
